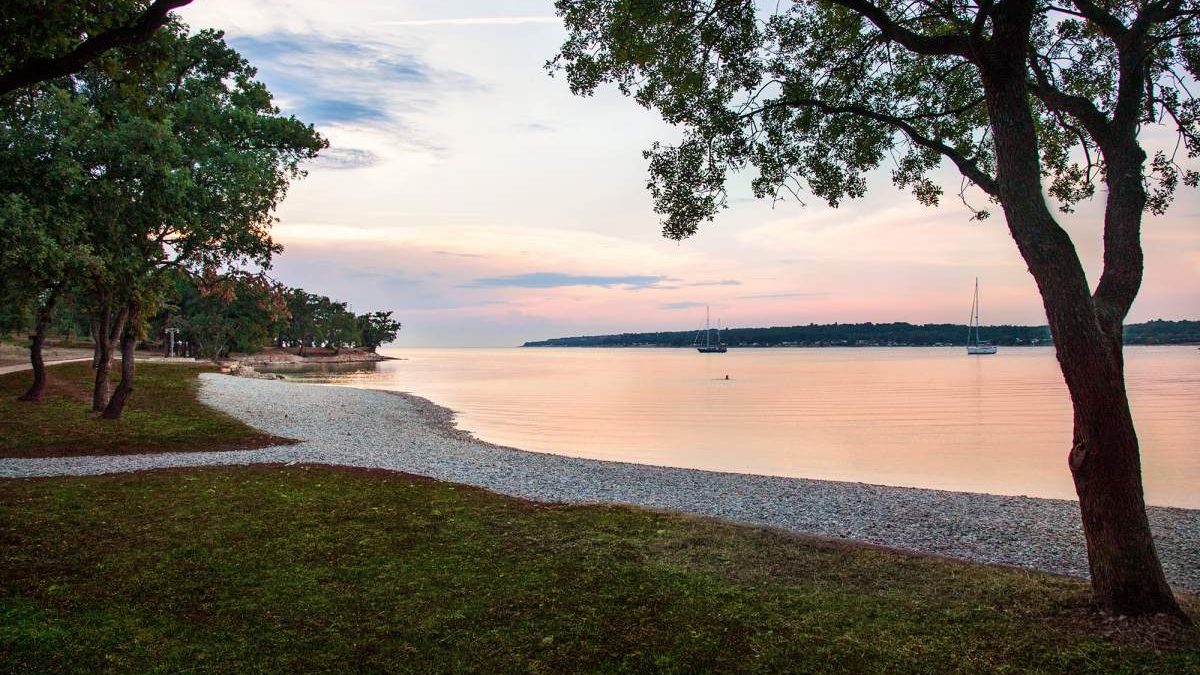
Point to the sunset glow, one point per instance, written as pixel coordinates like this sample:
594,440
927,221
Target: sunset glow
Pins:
458,163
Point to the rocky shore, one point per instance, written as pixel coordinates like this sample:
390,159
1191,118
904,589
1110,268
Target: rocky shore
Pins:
282,358
375,429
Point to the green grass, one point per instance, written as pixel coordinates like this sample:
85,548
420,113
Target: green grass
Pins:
317,569
163,415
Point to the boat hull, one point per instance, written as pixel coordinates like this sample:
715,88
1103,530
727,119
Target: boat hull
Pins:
711,350
981,350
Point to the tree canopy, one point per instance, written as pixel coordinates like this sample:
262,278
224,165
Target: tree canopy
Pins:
817,94
165,155
44,40
1034,102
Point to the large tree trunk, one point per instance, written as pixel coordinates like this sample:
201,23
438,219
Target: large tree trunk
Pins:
36,343
116,404
109,328
94,328
1127,577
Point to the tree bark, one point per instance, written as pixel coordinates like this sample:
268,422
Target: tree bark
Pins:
116,404
37,70
94,327
1127,577
36,343
109,328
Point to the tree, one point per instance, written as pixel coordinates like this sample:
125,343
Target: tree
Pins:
300,327
184,159
221,313
343,328
376,328
43,40
333,325
1011,92
198,192
43,246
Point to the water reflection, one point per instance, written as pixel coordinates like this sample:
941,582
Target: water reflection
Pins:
925,417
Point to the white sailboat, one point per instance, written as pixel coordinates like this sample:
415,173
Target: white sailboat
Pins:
975,346
710,347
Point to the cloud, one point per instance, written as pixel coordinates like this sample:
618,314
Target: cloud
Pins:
325,111
768,296
458,255
346,158
723,282
535,127
681,305
476,21
358,83
560,280
381,278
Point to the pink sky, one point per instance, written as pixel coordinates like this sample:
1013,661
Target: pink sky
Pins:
473,195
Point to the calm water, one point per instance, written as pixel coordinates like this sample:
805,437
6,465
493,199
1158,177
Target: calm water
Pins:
924,417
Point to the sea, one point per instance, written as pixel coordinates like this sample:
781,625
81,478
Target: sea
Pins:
927,417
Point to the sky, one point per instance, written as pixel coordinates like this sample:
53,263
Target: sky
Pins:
472,194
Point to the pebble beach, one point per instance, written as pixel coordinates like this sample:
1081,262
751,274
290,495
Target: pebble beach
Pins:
385,430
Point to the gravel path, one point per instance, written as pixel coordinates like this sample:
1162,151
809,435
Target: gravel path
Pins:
366,428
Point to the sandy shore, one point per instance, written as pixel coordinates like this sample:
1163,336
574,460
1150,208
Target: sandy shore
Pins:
366,428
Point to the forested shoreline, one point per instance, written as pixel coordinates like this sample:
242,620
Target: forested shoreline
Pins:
138,194
898,334
215,316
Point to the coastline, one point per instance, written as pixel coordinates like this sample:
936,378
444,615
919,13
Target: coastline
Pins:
395,431
284,359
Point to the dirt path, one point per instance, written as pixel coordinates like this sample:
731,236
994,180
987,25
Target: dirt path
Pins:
16,368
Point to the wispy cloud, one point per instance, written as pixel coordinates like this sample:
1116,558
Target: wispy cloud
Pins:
381,278
769,296
363,83
536,127
476,21
681,305
723,282
346,158
560,280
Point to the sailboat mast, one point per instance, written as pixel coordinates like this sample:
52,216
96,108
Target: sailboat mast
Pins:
971,335
707,325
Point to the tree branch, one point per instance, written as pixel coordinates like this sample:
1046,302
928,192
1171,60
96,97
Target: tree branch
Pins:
965,165
39,69
928,45
1108,23
1081,108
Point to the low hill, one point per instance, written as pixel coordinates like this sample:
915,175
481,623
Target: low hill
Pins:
875,335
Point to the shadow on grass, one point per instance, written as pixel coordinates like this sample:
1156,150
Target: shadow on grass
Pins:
320,569
163,415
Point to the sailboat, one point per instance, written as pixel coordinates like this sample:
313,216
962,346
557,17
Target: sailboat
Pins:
976,346
710,347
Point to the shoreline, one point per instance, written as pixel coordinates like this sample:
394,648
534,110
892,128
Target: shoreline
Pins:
840,346
374,429
442,419
275,359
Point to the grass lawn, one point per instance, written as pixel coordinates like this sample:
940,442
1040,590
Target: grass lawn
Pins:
163,415
318,569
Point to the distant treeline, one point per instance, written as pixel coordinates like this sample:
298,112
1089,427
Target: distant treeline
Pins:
875,335
214,315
